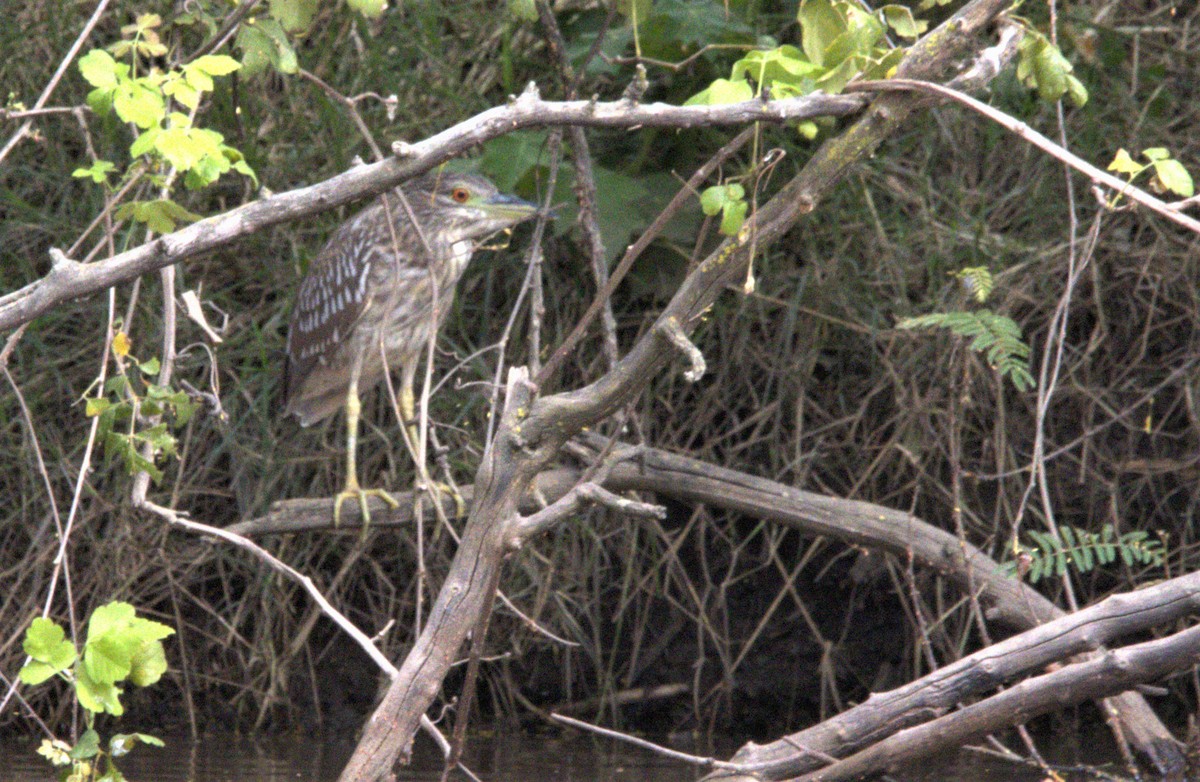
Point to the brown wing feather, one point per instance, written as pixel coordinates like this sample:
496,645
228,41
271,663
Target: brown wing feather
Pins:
331,300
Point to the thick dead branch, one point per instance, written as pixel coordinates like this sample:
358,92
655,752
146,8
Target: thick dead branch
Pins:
1103,675
1054,636
67,282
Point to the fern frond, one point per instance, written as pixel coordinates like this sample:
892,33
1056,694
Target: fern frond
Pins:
1083,551
997,336
978,282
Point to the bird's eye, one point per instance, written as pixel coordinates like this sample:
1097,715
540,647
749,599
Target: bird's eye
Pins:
460,195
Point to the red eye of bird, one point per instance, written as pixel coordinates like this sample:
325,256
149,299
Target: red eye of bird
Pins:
460,195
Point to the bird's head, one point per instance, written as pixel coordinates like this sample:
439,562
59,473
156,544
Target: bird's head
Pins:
464,206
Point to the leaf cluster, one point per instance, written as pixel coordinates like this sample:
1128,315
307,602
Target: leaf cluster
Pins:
729,201
839,40
167,138
1041,66
120,646
128,400
1169,175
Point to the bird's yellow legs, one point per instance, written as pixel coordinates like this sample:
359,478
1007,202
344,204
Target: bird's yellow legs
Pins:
352,489
408,414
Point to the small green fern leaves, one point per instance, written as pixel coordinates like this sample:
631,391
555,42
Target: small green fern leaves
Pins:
1083,551
977,281
998,335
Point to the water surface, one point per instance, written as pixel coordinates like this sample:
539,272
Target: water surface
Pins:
508,758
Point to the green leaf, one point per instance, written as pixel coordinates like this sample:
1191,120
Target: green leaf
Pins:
46,643
160,215
184,90
863,31
713,199
138,103
119,643
524,10
784,69
900,19
1157,153
834,80
295,16
150,367
149,664
98,171
100,70
264,44
1123,163
108,659
718,197
34,672
1076,91
372,9
722,91
732,217
97,696
88,745
820,25
1173,177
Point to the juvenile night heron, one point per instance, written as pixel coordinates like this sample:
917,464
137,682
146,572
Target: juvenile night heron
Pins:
382,286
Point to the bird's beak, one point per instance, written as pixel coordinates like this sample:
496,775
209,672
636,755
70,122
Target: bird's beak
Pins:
508,207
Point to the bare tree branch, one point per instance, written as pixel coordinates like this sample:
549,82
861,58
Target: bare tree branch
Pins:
68,280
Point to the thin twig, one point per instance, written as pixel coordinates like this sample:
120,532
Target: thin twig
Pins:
1028,134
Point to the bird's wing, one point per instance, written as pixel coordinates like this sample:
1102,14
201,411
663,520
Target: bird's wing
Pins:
332,297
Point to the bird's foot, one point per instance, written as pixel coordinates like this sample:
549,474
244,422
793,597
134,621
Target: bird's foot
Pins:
353,490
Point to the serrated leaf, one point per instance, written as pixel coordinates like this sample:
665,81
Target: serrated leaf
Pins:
863,31
1173,177
34,672
45,641
264,44
214,64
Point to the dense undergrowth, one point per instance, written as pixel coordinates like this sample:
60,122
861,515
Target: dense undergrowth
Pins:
810,383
